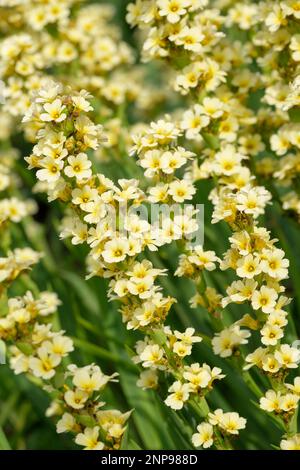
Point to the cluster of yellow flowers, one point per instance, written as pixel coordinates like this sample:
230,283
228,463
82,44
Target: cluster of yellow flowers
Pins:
12,207
84,40
276,50
67,71
191,35
218,422
16,261
160,156
116,237
228,133
183,30
35,347
79,45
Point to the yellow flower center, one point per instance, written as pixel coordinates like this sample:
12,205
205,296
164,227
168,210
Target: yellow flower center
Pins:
118,252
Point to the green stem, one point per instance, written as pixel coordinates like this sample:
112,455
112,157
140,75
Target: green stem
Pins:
252,384
292,426
199,406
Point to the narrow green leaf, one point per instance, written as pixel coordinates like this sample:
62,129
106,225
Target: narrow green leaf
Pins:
4,444
83,290
102,353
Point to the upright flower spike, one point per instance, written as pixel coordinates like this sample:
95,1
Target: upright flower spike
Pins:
132,282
